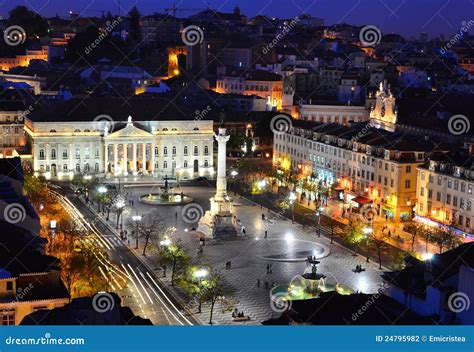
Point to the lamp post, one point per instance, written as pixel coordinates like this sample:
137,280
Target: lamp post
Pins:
200,274
292,199
120,205
318,214
136,219
367,232
234,174
102,191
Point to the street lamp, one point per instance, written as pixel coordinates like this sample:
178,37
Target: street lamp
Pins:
234,174
120,204
367,232
102,190
200,274
292,197
136,218
165,243
318,214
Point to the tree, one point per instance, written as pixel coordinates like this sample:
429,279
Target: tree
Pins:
33,24
214,289
353,232
446,238
414,230
179,259
150,226
379,240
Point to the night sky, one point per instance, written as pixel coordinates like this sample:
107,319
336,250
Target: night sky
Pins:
407,17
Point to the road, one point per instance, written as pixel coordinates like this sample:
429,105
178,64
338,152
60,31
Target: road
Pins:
126,275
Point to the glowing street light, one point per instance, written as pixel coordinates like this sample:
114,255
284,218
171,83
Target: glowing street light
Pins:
367,232
292,197
201,273
427,256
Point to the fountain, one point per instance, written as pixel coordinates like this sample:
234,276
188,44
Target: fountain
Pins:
165,197
307,286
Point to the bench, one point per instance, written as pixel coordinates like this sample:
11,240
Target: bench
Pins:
239,319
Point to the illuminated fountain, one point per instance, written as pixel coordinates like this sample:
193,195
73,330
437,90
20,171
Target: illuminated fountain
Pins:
165,197
308,286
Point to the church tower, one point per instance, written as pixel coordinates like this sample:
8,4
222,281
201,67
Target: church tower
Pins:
384,114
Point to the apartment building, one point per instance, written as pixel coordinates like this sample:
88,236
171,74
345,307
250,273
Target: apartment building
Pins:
444,191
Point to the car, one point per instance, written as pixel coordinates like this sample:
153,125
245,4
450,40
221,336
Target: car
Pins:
201,179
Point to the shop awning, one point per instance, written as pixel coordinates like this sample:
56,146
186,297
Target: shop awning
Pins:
361,200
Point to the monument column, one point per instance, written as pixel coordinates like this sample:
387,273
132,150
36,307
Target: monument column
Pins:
221,185
152,161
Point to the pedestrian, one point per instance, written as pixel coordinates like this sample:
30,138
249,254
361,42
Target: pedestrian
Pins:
266,234
258,283
389,233
271,269
268,268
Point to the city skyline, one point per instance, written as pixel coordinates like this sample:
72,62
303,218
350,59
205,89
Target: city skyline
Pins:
395,16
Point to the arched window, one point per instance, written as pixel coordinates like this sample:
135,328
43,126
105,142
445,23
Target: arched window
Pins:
41,154
165,151
65,167
185,150
165,129
156,151
185,164
87,130
196,150
53,153
165,164
78,168
196,129
174,150
52,131
77,130
206,150
206,163
86,167
96,167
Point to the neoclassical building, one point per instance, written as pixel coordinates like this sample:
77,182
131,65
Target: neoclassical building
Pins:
120,146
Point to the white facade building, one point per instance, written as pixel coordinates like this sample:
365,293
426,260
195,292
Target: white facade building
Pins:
180,148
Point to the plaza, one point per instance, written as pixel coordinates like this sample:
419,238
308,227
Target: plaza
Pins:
285,249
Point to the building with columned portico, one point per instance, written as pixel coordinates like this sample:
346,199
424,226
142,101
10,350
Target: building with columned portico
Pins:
140,137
